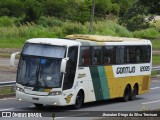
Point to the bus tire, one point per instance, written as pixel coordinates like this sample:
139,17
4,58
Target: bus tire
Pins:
38,105
79,100
127,94
134,93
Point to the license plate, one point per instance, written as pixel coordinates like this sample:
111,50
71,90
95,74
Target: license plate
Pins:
35,98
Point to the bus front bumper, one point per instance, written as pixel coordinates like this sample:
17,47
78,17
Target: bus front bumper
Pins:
49,100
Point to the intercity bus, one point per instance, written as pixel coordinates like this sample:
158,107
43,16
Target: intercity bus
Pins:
82,68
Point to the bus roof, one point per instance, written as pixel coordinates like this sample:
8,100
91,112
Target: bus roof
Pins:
89,40
100,38
53,41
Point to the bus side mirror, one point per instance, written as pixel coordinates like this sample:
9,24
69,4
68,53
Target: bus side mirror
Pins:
12,59
63,65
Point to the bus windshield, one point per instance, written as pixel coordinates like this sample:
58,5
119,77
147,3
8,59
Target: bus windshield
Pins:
39,66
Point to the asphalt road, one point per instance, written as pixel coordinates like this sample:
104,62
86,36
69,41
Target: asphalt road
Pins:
148,101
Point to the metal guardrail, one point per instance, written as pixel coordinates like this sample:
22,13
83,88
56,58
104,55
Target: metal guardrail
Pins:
12,83
156,68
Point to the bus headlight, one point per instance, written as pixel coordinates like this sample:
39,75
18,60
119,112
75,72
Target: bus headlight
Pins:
20,89
55,93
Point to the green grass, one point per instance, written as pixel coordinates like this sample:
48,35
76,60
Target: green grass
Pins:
12,42
150,33
10,45
156,43
6,90
153,73
156,60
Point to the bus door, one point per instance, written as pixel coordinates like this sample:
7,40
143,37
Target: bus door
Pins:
70,68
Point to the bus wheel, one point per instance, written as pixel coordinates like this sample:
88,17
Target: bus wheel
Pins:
79,100
133,93
127,94
38,105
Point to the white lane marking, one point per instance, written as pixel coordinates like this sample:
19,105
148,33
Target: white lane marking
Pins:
6,109
71,116
7,99
154,88
155,80
151,102
59,118
32,106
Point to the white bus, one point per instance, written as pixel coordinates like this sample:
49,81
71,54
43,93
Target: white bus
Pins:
82,68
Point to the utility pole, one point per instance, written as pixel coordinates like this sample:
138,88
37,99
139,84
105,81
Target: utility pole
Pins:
92,16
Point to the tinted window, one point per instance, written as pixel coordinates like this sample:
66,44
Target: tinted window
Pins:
84,58
137,54
120,56
145,53
131,54
109,55
97,56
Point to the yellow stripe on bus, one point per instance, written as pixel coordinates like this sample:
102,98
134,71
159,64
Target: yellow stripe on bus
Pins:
112,83
117,85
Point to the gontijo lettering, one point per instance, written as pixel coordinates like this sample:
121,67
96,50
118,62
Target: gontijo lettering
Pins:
124,70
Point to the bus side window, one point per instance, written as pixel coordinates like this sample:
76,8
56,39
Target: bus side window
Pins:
138,54
131,54
84,58
146,54
109,55
97,56
120,56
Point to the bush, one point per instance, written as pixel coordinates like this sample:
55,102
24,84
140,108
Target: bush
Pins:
49,22
110,28
99,28
149,33
74,28
29,30
7,21
156,24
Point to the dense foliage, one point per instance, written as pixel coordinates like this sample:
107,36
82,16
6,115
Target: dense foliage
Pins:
75,10
131,13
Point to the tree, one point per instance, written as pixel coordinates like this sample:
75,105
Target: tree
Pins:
124,5
33,10
152,5
12,8
134,19
55,8
78,10
102,8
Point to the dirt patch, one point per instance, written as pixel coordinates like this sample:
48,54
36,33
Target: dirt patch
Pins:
156,52
9,50
7,73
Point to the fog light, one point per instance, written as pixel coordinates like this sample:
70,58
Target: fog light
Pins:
55,103
19,99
